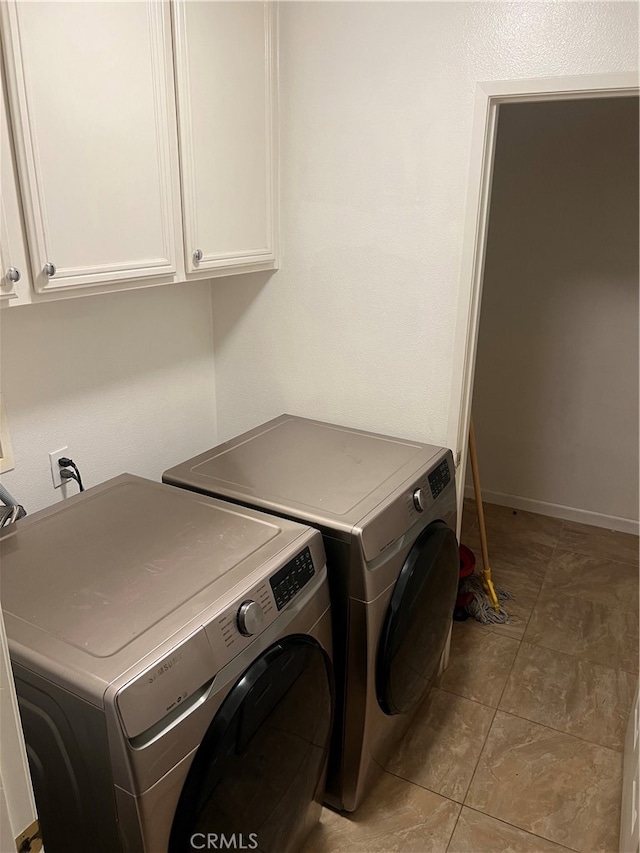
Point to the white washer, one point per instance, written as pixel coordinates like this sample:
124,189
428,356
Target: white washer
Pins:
387,510
172,656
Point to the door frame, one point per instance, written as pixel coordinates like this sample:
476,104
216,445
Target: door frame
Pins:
489,96
17,803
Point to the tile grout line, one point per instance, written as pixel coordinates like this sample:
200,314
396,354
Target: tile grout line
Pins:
436,794
581,657
557,548
589,555
527,719
466,698
544,580
495,711
520,641
422,787
484,745
560,731
473,775
515,826
455,825
497,707
480,754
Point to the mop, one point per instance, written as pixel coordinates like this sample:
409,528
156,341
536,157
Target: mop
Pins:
487,597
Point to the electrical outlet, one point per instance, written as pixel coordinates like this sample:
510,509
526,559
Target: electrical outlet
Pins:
55,468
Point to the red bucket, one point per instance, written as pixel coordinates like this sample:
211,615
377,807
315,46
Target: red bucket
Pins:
467,561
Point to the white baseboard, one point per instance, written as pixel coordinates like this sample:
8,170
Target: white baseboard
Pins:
567,513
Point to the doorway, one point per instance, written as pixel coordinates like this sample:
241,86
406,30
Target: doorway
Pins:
552,99
555,398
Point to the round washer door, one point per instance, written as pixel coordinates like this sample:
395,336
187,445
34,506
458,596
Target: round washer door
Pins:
260,766
418,620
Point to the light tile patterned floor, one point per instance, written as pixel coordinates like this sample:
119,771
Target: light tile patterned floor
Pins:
519,748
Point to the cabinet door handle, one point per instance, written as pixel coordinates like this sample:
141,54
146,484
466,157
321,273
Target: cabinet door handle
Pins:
49,269
14,274
197,256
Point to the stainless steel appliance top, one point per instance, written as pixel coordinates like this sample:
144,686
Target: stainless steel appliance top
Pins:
326,474
98,581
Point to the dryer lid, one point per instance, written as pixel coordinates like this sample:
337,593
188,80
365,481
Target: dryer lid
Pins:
321,473
99,570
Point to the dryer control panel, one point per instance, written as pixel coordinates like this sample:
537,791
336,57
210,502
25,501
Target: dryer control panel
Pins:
439,478
429,487
418,501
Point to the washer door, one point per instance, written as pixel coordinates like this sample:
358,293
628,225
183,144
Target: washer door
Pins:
418,620
261,763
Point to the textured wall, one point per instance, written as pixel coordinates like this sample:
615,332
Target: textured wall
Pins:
376,114
125,380
357,326
556,386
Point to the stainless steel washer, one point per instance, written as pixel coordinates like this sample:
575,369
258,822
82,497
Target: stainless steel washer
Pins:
387,510
172,662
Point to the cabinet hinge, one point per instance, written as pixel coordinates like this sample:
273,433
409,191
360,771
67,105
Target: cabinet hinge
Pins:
458,458
30,841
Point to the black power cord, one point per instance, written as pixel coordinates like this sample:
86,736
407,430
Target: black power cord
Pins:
65,474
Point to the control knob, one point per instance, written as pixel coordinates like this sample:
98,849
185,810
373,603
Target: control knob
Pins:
419,500
250,618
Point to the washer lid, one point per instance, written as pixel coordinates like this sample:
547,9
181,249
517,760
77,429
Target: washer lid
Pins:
315,471
99,571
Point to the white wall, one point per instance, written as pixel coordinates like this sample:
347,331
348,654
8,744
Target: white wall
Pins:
376,116
357,326
556,387
125,380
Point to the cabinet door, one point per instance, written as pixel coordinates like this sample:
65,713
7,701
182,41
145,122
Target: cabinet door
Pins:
226,85
14,270
91,99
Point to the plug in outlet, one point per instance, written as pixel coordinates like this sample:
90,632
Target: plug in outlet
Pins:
55,468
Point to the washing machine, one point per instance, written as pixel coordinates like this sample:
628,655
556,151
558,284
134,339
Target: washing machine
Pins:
387,511
172,657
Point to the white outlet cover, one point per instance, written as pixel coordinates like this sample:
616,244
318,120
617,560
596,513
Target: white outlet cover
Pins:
55,468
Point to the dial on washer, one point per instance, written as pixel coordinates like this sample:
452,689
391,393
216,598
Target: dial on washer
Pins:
419,500
250,618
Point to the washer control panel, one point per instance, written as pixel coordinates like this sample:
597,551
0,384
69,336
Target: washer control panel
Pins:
291,578
180,675
233,629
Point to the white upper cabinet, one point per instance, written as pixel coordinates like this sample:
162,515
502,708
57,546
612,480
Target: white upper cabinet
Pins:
226,96
127,175
93,112
14,269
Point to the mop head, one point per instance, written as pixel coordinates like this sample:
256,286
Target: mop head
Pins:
480,607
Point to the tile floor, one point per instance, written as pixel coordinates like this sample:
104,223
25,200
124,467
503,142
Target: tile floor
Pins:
519,747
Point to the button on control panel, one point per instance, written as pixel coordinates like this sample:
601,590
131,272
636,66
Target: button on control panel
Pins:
292,577
439,478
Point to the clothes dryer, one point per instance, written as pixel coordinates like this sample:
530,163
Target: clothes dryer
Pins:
172,656
387,511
